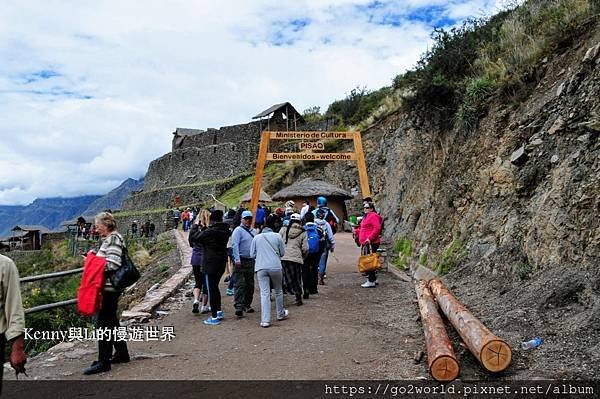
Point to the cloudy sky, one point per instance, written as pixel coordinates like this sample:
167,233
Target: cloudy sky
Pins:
90,91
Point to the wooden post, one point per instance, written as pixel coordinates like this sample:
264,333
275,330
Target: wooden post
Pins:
362,166
492,352
441,359
260,168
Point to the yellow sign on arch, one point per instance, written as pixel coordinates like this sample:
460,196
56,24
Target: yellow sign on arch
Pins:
263,156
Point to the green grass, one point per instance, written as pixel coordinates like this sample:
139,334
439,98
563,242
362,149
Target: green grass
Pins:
404,248
141,212
423,260
524,270
451,257
50,259
162,268
275,175
500,55
231,197
205,183
163,246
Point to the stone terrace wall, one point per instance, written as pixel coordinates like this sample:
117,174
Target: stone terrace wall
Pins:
244,133
189,195
163,221
193,165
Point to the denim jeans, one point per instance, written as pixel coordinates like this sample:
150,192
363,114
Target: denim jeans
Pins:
264,277
323,262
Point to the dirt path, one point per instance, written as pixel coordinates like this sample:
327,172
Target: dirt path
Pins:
345,332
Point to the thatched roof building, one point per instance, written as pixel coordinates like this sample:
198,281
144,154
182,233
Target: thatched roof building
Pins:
309,189
264,197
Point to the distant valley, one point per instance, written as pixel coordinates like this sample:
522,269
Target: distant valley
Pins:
51,212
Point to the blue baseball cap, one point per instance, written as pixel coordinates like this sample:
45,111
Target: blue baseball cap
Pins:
246,214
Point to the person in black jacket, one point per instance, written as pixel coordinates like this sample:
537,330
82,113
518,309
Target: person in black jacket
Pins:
214,258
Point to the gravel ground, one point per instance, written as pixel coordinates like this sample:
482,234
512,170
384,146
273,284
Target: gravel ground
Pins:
345,332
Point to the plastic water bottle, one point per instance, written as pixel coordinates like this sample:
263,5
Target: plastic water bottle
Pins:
532,343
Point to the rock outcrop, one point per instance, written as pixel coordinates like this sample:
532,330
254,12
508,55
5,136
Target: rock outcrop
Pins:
517,200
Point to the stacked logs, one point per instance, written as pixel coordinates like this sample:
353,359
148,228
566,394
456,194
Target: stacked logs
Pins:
493,353
442,362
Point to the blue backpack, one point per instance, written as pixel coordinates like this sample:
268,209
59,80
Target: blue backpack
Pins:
313,238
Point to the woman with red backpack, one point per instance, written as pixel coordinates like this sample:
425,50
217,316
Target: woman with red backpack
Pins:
111,249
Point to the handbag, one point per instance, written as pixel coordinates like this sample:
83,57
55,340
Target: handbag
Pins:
125,275
368,261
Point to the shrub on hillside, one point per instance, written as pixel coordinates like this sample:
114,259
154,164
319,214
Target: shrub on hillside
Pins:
468,64
358,105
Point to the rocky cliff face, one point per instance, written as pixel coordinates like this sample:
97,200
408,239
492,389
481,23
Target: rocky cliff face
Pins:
541,207
511,210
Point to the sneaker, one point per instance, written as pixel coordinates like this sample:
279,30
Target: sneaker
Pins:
120,358
97,367
229,292
205,309
239,313
249,309
211,321
369,284
285,315
220,315
265,325
195,307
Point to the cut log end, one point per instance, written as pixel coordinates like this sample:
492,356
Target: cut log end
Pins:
496,355
444,368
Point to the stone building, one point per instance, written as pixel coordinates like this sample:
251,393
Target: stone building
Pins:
27,237
202,164
280,117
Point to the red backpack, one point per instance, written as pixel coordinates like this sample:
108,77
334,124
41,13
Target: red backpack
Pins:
89,295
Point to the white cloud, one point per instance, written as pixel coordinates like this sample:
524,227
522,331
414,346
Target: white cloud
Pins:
89,94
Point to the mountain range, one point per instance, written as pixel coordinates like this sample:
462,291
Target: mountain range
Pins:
51,212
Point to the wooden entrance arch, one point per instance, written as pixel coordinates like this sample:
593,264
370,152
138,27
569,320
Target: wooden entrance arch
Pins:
309,142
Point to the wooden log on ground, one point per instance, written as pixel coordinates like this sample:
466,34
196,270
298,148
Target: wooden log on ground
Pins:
493,353
441,359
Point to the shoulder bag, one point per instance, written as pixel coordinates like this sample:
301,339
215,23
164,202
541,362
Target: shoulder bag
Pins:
125,275
368,261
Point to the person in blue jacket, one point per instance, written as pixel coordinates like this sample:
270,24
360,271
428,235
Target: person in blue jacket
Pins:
259,220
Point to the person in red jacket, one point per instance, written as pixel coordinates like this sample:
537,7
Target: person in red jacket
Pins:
186,217
369,234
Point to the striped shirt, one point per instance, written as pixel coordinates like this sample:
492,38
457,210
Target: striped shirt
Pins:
111,249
